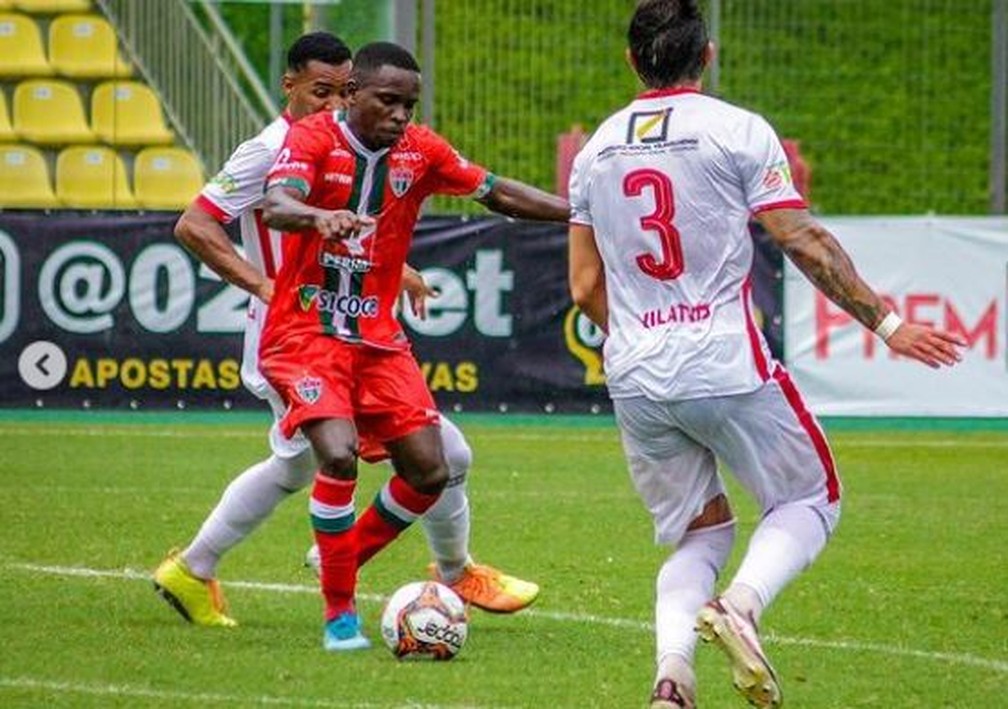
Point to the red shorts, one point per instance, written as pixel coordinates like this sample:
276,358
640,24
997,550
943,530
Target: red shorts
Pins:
382,391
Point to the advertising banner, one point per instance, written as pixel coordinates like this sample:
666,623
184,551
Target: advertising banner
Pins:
101,311
109,311
949,272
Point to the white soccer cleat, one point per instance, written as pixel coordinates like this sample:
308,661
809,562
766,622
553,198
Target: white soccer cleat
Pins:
736,635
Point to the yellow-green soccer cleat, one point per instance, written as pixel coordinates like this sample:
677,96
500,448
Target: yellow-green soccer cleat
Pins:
485,587
736,635
199,601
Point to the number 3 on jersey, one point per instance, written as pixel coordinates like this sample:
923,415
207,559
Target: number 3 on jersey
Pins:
671,265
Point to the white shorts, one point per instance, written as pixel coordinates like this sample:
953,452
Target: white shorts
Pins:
254,381
767,438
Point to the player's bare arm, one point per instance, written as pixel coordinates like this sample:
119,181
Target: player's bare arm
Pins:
586,275
284,208
203,235
814,250
417,290
516,199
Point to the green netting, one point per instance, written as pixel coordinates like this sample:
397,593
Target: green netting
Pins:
889,98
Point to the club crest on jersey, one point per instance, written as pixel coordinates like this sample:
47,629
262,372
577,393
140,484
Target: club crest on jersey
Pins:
649,126
309,389
400,180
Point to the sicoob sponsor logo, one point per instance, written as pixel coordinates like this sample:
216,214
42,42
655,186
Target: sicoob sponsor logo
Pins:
326,301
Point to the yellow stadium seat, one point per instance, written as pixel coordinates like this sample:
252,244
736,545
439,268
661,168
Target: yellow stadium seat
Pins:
128,113
49,112
166,178
24,179
85,47
6,4
52,7
21,47
7,134
92,177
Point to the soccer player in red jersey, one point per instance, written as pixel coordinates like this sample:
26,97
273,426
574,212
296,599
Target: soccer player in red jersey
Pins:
347,188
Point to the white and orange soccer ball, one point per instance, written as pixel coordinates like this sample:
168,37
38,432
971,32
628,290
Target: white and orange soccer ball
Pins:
425,619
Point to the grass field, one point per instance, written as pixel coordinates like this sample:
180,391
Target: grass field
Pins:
906,608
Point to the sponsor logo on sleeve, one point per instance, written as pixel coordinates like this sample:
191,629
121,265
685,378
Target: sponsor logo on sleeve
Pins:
777,175
225,182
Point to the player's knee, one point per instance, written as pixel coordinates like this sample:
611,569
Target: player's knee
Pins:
430,475
338,462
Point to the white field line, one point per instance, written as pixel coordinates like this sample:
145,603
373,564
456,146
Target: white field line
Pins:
128,691
1000,666
603,436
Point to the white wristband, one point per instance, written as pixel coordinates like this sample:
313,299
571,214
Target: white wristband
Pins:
890,323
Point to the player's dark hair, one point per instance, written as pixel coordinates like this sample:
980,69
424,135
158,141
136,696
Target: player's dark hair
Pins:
667,39
372,57
318,46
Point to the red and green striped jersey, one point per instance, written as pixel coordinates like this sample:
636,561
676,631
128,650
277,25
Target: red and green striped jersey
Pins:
348,288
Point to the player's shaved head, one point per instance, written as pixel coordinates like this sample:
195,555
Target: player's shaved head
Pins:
372,57
317,46
667,41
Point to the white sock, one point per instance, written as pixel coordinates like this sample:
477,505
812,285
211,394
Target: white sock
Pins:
685,583
446,523
785,543
248,500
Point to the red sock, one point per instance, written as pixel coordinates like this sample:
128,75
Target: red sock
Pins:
332,517
395,507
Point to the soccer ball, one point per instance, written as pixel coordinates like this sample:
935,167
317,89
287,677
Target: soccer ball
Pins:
424,619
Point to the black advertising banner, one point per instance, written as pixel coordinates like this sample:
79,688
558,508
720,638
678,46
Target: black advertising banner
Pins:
109,311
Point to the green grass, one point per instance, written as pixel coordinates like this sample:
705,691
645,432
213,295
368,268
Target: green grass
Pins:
905,609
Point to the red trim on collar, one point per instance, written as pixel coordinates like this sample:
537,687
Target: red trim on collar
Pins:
671,91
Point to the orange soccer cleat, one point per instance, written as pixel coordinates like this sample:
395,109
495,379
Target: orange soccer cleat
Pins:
487,588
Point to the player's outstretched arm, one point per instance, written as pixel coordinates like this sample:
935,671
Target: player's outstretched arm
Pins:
586,275
203,235
818,254
516,199
284,208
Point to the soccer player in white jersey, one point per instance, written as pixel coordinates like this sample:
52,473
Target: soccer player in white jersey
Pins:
319,65
660,258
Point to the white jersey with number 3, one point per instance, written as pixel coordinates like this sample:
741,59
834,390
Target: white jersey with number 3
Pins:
236,192
668,184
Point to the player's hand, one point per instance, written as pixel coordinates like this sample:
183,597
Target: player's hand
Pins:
264,290
925,344
341,224
417,290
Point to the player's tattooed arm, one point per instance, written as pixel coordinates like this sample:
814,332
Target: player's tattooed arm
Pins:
821,258
817,253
